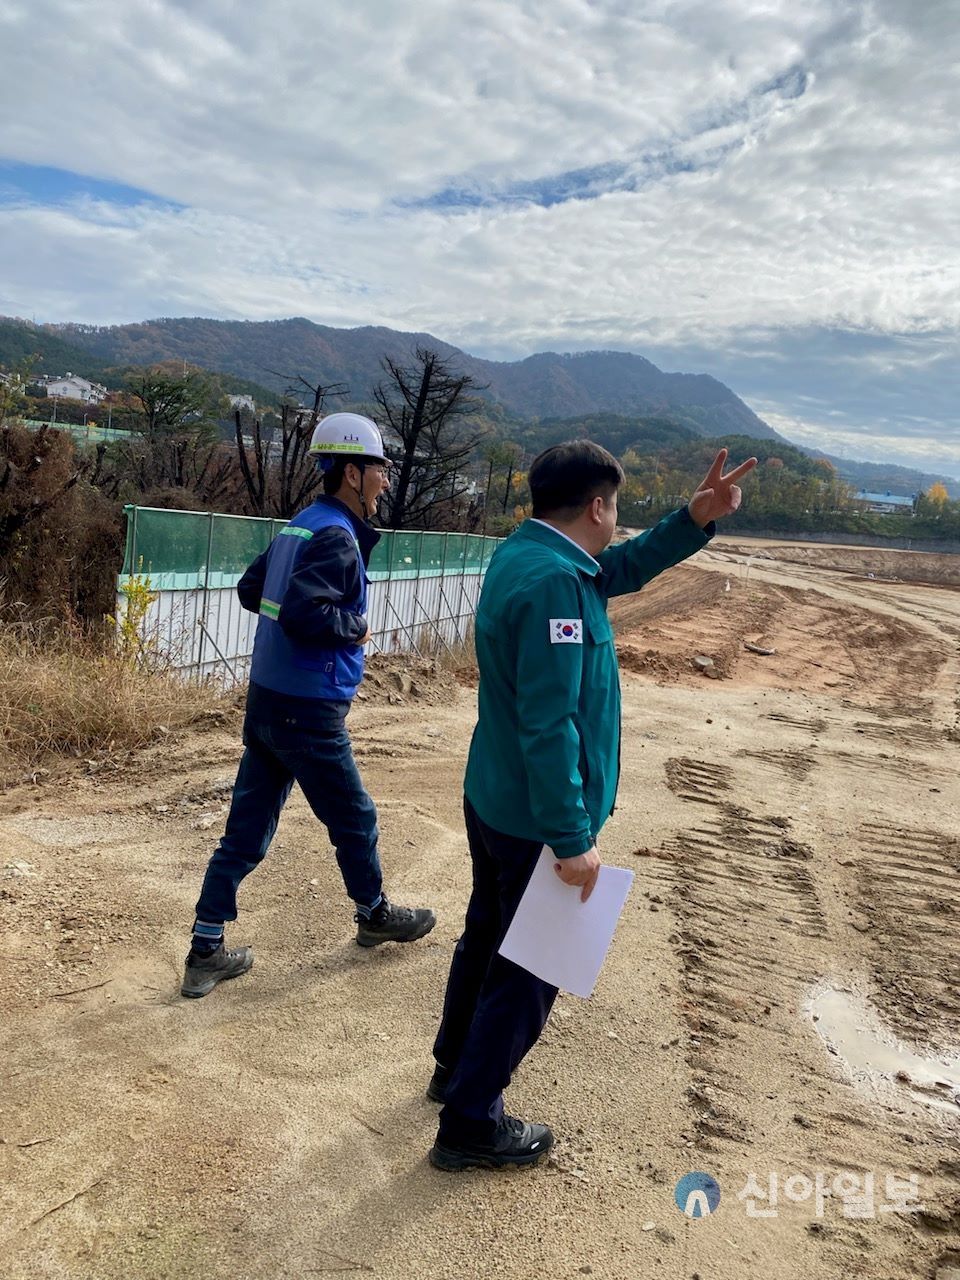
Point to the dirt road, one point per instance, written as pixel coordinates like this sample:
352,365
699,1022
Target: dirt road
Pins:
781,997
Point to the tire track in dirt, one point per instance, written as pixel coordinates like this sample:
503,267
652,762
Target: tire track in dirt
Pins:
862,763
916,735
814,725
752,938
794,763
697,780
908,886
755,933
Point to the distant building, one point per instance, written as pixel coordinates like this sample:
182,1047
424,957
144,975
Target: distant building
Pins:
242,402
884,503
72,387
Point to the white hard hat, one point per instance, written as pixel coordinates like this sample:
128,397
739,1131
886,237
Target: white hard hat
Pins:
348,435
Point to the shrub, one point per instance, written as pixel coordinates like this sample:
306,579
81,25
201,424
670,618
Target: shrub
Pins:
61,696
60,538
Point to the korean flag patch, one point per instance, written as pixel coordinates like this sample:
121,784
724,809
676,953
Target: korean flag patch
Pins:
566,631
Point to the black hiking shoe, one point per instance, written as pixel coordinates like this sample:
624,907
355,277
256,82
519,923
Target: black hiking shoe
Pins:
514,1143
388,923
437,1088
202,973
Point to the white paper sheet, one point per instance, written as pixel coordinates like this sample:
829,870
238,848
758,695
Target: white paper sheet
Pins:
559,938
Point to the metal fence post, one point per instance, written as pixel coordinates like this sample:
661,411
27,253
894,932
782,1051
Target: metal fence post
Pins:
205,596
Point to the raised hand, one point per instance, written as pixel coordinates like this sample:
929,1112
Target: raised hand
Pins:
718,495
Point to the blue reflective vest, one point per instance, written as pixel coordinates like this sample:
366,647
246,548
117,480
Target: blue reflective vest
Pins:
292,666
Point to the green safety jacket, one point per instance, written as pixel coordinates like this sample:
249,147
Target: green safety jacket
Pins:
544,761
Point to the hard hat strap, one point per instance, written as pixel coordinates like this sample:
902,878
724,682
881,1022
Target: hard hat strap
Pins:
361,465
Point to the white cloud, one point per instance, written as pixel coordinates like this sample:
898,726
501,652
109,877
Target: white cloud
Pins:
770,166
925,453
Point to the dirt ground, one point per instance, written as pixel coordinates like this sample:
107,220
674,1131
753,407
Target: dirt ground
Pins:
781,996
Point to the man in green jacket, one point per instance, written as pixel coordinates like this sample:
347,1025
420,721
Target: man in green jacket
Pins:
543,766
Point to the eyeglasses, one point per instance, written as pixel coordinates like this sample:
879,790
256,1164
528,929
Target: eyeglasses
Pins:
381,468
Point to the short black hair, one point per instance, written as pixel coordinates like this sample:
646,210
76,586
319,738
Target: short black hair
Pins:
333,476
565,477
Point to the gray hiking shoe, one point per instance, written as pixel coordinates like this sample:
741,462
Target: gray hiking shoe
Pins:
393,924
202,973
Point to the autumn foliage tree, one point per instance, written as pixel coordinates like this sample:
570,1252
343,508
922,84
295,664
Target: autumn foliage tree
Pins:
502,458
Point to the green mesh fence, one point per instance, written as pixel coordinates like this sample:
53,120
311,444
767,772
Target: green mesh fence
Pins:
183,550
86,433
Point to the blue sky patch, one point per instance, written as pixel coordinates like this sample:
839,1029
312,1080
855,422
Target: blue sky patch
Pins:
575,184
38,184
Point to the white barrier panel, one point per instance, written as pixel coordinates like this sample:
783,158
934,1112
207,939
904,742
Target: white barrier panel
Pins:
206,632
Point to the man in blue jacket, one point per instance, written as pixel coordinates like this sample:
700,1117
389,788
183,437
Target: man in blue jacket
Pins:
544,765
310,591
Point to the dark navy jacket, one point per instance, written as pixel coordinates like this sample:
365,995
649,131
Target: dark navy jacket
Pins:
310,589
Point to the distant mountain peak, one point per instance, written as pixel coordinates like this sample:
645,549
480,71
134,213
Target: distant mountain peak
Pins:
546,384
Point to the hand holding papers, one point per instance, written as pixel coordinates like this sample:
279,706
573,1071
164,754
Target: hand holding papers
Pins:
581,871
559,938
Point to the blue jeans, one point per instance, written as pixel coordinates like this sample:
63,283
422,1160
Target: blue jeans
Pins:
493,1011
289,740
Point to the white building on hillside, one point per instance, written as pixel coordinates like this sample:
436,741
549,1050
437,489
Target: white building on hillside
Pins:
72,387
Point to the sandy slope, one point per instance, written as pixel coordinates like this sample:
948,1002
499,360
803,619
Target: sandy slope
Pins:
790,823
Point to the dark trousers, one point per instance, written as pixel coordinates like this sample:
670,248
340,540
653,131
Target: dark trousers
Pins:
493,1011
289,740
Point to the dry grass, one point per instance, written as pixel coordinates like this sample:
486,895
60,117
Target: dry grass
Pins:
431,650
460,657
61,696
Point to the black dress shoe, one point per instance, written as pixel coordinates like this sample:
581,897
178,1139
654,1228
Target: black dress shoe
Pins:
514,1143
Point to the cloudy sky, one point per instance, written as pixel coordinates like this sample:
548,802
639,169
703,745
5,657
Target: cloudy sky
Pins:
763,190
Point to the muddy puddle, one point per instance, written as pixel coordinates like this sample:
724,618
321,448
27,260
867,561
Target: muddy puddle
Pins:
875,1058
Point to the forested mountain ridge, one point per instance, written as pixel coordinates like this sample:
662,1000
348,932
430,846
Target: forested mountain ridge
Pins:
546,385
543,398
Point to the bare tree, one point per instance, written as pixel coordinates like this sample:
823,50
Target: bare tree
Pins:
278,476
424,407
